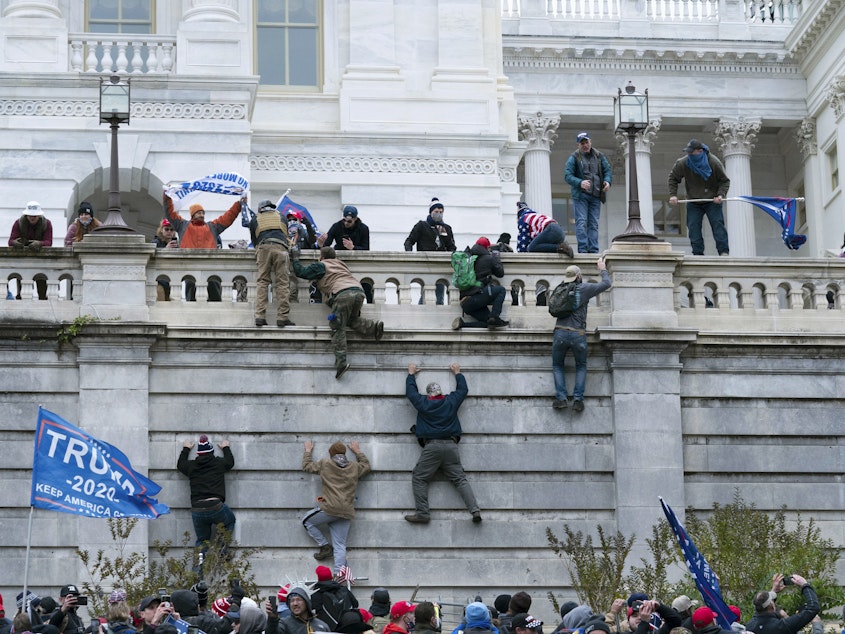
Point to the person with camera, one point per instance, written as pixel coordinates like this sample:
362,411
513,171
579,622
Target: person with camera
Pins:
640,613
476,299
438,432
65,617
769,620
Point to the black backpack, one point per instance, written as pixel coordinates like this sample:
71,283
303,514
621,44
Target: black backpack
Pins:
565,299
332,602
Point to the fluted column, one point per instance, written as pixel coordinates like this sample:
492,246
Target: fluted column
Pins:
32,9
805,137
736,138
540,131
643,143
212,11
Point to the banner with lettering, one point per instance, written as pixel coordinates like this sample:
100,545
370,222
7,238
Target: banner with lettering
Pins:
226,183
73,472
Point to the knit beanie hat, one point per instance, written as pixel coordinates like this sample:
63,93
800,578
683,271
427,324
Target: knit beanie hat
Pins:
483,241
204,445
324,573
85,208
337,448
282,594
435,204
195,208
477,613
221,606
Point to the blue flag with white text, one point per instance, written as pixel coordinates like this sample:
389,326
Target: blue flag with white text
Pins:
73,472
705,579
783,210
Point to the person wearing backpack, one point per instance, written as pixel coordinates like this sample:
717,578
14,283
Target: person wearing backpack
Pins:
570,334
477,295
330,599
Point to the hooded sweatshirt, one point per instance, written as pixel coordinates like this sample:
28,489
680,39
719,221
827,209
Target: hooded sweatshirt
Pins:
305,625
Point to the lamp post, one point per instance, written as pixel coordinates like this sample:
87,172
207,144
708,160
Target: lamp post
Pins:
630,112
114,110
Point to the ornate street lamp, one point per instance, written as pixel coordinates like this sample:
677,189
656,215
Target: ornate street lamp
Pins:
114,110
630,112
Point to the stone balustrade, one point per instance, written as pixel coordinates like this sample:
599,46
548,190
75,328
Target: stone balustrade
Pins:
127,53
708,293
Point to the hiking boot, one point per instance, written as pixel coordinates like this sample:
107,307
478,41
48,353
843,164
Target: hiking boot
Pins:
476,517
578,406
326,552
281,323
497,322
564,248
457,323
379,330
560,403
341,370
416,518
260,322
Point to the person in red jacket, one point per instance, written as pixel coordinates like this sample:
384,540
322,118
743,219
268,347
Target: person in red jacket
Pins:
196,233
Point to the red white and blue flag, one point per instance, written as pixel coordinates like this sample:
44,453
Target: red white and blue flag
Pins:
286,205
783,210
705,579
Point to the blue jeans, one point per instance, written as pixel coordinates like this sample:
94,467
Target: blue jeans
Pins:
476,305
695,217
547,240
316,519
587,211
566,340
205,521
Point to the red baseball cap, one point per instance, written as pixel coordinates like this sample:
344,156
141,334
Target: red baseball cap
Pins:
702,617
401,608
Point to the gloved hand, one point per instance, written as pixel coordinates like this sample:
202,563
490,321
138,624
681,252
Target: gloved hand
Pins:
295,252
18,242
237,594
33,244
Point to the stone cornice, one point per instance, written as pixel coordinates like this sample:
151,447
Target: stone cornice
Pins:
659,57
140,110
816,18
387,164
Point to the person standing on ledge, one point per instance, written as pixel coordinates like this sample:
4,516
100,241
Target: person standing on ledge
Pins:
438,432
704,178
589,175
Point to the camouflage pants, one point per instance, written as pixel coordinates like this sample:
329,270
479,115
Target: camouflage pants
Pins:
346,307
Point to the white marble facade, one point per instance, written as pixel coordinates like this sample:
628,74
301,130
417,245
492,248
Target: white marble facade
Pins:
431,98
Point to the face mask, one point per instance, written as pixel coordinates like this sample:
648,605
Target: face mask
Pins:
437,216
85,220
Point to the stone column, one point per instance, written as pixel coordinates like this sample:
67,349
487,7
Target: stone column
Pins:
805,137
212,11
643,145
372,35
540,131
736,138
213,40
32,9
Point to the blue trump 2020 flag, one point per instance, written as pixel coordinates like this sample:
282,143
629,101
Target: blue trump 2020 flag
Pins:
705,579
285,205
783,210
73,472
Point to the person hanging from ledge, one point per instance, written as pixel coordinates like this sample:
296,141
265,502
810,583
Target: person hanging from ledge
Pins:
196,233
31,232
346,296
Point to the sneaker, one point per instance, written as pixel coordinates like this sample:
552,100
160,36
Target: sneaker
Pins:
281,323
564,248
326,552
560,403
497,322
379,330
476,517
578,406
457,323
260,322
341,370
416,518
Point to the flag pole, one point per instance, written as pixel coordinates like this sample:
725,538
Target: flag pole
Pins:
710,200
26,559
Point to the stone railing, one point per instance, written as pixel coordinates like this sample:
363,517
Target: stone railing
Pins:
124,53
754,11
713,294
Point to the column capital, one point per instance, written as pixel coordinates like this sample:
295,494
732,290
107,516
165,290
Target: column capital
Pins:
540,130
212,11
33,9
805,137
835,95
737,136
645,139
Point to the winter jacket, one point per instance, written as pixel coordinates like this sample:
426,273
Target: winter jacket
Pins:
486,266
337,496
332,276
696,187
206,473
323,599
573,173
200,236
577,320
530,224
438,417
293,625
426,235
359,233
26,231
76,231
771,623
671,620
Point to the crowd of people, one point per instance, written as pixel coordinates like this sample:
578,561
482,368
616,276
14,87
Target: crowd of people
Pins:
328,605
